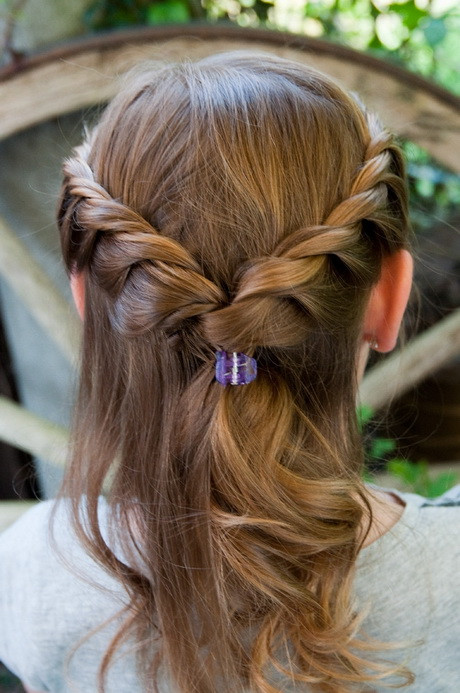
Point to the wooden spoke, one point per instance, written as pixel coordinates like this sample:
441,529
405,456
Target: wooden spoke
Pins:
38,293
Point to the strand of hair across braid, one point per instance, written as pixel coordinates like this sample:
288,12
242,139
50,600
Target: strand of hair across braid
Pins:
302,261
169,287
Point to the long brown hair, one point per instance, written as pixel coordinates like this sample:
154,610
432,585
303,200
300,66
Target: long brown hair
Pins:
243,202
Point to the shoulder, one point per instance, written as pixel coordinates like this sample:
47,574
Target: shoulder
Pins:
20,544
427,531
37,540
19,586
418,557
436,521
41,550
410,579
51,594
412,570
450,498
439,529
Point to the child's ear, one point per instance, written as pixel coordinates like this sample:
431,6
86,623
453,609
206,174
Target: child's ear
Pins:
388,301
77,285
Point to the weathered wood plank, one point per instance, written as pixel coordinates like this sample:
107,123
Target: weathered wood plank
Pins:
32,433
29,281
404,369
85,73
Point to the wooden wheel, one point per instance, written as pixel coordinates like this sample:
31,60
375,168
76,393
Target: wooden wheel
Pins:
83,73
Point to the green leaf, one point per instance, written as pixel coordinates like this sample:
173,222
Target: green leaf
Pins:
441,483
168,11
364,414
261,8
381,447
91,16
415,475
375,44
435,30
374,11
368,477
410,473
410,14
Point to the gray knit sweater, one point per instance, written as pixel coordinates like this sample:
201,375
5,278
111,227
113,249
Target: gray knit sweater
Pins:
409,578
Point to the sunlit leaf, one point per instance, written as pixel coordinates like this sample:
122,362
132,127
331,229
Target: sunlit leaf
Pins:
381,447
168,11
441,483
409,13
364,414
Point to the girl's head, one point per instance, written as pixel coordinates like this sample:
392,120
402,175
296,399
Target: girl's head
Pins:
273,182
244,203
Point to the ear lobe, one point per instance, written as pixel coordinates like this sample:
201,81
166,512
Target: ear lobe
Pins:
77,286
388,301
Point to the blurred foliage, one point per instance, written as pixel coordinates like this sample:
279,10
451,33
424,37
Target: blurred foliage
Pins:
417,478
376,448
421,35
414,477
8,682
107,14
434,191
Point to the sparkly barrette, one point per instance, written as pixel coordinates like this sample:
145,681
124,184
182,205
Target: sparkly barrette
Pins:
235,368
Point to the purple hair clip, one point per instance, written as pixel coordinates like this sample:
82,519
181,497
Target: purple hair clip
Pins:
235,368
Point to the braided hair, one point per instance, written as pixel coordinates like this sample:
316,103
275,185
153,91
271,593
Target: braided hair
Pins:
243,202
